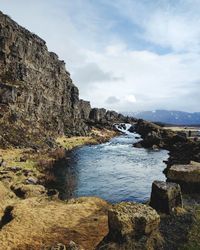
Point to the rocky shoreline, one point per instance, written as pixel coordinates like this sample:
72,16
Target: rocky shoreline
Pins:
182,149
181,227
183,164
95,224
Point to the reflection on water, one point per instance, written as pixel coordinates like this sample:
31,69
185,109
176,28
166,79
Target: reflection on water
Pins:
114,171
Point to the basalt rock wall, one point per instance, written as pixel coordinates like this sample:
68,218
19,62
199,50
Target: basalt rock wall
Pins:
37,95
101,117
34,82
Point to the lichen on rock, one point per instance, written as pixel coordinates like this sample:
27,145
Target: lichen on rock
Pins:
165,196
132,226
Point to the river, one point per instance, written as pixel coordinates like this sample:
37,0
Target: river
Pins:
114,171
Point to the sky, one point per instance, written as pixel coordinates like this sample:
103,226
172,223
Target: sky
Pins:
125,55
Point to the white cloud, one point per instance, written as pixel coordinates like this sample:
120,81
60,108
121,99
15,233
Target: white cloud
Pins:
130,98
110,71
172,24
178,32
163,79
112,100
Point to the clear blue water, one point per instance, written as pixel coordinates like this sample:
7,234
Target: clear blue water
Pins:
114,171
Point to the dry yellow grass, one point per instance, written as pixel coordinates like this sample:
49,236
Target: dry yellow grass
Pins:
38,223
72,142
12,156
39,164
6,198
96,136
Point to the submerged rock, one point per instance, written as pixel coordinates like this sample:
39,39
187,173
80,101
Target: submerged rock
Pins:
138,145
188,176
132,226
132,129
165,196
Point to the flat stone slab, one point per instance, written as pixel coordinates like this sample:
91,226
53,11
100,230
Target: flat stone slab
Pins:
188,176
185,173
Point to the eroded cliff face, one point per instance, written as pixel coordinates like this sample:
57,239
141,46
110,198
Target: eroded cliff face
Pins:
37,96
35,87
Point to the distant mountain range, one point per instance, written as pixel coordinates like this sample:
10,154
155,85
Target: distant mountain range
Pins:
168,116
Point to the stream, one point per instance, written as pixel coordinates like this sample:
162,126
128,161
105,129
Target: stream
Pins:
115,171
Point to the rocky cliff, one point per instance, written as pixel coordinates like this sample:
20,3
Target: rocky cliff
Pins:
101,117
37,95
35,87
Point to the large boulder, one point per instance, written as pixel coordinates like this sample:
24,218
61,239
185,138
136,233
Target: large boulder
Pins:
188,176
165,196
131,226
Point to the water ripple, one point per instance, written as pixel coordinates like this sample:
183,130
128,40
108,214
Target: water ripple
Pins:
115,170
